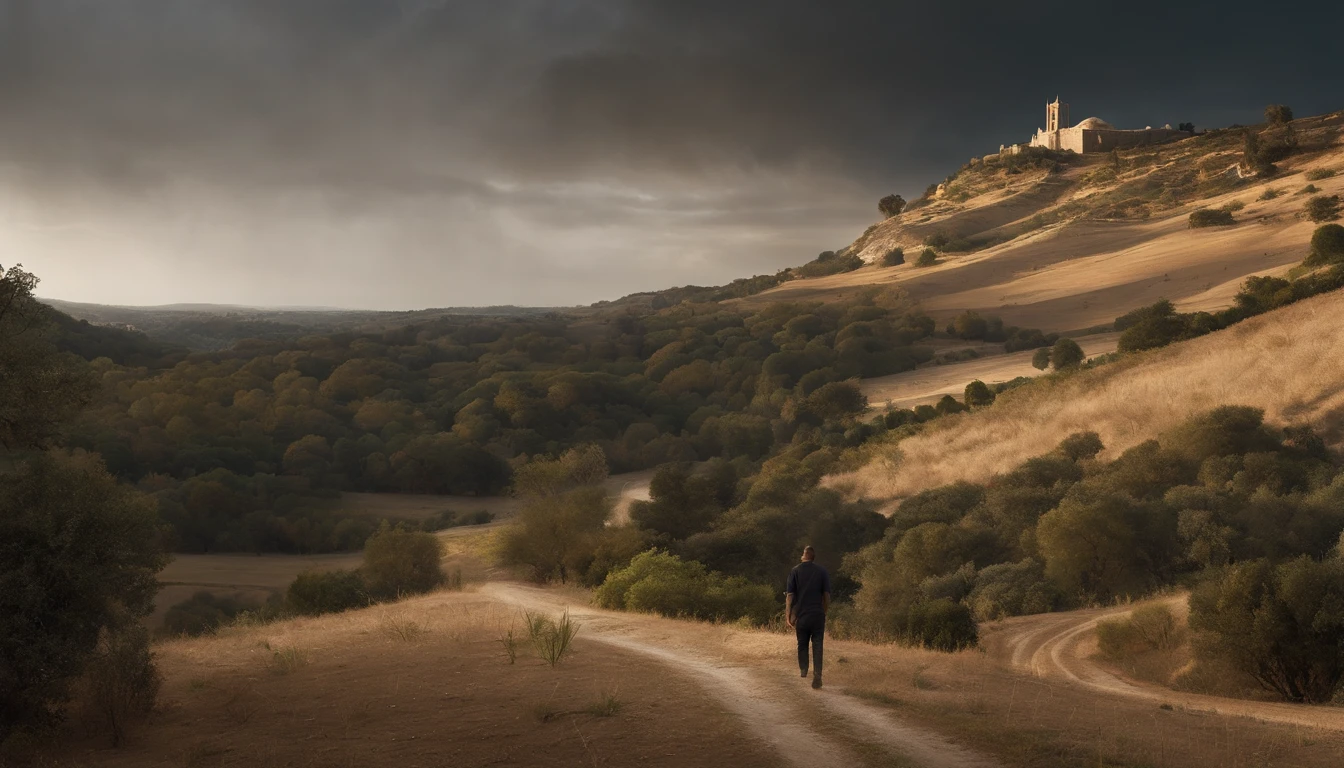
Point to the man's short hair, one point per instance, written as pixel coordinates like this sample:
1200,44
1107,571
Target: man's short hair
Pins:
809,552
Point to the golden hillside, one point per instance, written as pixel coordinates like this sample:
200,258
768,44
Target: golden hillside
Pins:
1285,361
1074,247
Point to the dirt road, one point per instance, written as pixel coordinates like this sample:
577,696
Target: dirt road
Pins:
806,727
1056,646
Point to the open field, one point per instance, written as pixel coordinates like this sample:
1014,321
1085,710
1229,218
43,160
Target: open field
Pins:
928,384
1085,272
1286,362
257,577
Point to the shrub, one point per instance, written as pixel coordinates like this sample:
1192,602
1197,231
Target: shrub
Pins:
894,258
662,583
1269,194
1041,359
399,561
202,614
122,680
948,405
977,394
1322,208
1150,628
1320,174
1327,246
314,593
1211,218
1011,589
553,639
942,625
829,263
937,240
1066,354
891,205
1283,624
969,326
927,258
452,519
1278,114
1310,189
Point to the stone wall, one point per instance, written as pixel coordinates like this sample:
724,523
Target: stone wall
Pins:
1088,141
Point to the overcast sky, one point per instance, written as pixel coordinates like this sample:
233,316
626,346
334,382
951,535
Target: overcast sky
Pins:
416,153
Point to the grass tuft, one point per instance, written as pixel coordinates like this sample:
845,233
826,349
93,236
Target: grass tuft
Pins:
287,659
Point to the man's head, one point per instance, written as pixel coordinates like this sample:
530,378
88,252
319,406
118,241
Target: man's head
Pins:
809,554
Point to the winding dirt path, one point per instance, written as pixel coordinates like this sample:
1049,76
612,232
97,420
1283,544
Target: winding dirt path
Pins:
1053,646
807,728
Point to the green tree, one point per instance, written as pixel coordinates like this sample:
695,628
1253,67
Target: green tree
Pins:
1040,359
1283,625
891,205
1327,246
39,387
894,258
948,405
977,394
399,561
1066,354
79,555
927,258
1278,114
314,593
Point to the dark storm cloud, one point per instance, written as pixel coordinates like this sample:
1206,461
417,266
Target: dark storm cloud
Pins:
419,152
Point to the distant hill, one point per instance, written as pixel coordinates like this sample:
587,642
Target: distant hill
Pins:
211,327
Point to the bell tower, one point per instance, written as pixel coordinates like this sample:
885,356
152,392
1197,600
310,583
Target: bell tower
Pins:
1052,111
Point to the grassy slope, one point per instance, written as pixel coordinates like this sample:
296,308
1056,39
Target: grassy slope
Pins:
1286,362
1096,263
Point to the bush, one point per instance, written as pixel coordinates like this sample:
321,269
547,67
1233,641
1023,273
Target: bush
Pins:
937,240
398,562
977,394
1150,628
948,405
1310,189
452,519
1283,625
662,583
927,258
122,680
969,326
894,258
1066,354
891,205
1327,246
314,593
202,614
942,625
1269,194
1041,359
1320,174
829,263
1278,114
1011,589
1322,208
1211,218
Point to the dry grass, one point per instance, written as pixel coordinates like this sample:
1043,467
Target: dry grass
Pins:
362,698
1285,362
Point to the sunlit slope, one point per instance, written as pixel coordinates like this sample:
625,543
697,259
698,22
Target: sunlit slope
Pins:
1286,362
1086,245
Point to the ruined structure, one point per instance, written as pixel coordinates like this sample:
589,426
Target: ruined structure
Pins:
1091,135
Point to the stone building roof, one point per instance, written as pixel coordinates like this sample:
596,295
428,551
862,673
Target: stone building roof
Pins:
1095,124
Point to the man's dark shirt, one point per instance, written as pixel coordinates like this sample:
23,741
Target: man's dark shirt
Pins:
807,583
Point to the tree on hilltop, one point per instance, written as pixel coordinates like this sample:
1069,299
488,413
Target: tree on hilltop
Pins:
891,205
1278,114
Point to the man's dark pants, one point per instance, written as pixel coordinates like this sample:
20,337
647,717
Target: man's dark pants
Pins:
810,627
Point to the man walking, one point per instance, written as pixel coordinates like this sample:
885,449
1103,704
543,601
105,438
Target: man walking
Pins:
806,599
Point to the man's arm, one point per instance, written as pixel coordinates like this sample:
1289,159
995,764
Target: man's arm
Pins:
788,609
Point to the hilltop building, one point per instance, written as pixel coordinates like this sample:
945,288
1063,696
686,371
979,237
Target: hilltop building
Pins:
1091,135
